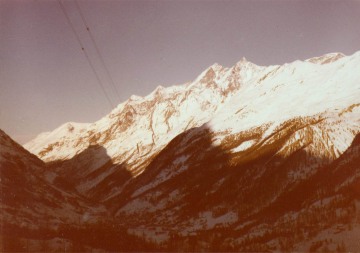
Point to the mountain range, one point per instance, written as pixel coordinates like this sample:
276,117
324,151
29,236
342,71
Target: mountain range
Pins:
247,158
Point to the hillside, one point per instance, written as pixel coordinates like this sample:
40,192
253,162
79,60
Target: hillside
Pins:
237,159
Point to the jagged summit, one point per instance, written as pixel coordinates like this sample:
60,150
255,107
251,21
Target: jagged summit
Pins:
135,97
216,66
159,111
326,58
243,61
209,73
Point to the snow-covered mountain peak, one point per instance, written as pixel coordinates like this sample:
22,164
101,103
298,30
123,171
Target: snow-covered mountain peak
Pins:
243,71
209,73
159,89
326,58
216,67
243,61
230,100
295,89
236,150
135,98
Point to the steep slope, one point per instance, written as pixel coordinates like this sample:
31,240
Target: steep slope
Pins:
30,206
332,204
202,174
233,159
202,189
320,214
234,99
135,131
270,138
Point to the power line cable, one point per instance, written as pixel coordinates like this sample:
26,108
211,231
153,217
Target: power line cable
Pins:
97,48
85,53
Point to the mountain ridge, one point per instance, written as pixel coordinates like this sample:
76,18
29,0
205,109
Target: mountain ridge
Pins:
30,145
137,129
225,156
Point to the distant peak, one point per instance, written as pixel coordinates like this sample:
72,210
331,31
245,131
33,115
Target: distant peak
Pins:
216,66
157,92
135,97
209,73
159,88
70,127
244,62
243,59
326,58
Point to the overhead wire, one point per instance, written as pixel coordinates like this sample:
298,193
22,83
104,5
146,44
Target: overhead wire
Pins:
86,54
97,49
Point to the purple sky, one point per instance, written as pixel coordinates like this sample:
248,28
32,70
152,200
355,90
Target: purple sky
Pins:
46,81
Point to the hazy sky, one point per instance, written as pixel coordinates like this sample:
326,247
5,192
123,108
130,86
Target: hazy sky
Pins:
46,81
